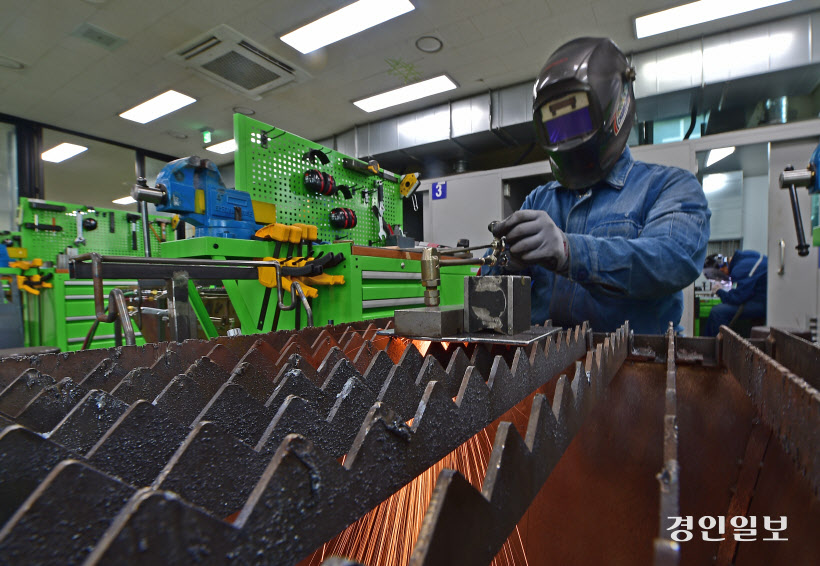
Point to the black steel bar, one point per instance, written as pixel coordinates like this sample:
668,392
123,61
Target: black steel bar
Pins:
802,246
85,424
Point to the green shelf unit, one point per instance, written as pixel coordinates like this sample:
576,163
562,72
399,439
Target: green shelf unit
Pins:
275,174
374,286
48,244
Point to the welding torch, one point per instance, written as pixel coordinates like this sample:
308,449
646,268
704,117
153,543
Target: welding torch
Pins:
431,265
495,256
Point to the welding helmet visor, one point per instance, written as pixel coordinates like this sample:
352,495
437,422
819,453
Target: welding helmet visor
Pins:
567,118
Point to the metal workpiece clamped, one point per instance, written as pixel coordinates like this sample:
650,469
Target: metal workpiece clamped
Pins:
434,320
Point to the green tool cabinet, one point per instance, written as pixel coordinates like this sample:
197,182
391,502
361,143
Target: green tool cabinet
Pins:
61,316
67,312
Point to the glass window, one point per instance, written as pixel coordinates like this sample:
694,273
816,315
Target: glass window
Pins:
8,176
736,183
95,177
780,97
674,130
152,169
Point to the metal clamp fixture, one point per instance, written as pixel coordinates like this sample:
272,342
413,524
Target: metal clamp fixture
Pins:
170,270
434,320
116,311
431,264
790,179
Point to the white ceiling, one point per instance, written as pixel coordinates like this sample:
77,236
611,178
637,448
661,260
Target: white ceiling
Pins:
74,84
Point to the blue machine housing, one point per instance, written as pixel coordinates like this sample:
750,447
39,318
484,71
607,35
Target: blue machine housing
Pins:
228,212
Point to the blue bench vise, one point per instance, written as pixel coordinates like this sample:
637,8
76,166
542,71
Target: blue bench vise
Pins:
193,188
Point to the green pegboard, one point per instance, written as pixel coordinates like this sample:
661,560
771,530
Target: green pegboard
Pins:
46,244
276,174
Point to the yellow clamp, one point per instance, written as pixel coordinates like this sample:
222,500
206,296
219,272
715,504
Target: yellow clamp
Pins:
267,277
309,232
26,264
22,283
324,279
280,233
38,282
277,232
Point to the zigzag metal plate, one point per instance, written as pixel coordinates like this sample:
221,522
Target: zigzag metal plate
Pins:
229,449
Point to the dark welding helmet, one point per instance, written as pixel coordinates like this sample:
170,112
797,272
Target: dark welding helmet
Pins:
583,108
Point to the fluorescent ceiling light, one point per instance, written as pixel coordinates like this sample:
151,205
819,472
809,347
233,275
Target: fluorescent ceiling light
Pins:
125,200
158,106
406,94
696,13
62,152
716,155
345,22
223,147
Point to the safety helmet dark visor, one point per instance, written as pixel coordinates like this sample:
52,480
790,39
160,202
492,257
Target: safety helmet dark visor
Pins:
583,109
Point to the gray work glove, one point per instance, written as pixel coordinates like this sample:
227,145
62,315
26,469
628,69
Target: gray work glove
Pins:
534,239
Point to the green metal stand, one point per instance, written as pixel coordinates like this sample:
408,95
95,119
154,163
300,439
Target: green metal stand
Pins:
374,286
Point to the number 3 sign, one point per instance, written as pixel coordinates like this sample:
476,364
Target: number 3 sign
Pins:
439,190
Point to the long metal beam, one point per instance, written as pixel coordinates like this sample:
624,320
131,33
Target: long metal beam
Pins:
787,403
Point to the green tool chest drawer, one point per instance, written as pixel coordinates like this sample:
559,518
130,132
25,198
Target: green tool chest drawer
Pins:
68,313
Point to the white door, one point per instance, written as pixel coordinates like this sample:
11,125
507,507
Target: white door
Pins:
793,282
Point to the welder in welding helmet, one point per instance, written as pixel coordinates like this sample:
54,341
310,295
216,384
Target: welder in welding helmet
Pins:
583,109
611,238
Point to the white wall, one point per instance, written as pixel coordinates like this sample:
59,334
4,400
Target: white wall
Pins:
473,201
756,213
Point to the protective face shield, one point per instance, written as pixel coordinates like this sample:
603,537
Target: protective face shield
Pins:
712,267
717,261
583,110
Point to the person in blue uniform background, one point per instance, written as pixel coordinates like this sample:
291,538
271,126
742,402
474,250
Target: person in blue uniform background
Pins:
612,238
748,271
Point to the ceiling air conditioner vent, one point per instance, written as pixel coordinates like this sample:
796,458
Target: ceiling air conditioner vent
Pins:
225,56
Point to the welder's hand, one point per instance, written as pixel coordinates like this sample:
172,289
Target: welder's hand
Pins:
534,239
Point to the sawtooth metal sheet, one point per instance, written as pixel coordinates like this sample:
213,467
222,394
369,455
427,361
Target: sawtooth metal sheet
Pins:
231,448
464,526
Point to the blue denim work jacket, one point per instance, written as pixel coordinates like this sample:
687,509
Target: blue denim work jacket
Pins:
635,240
